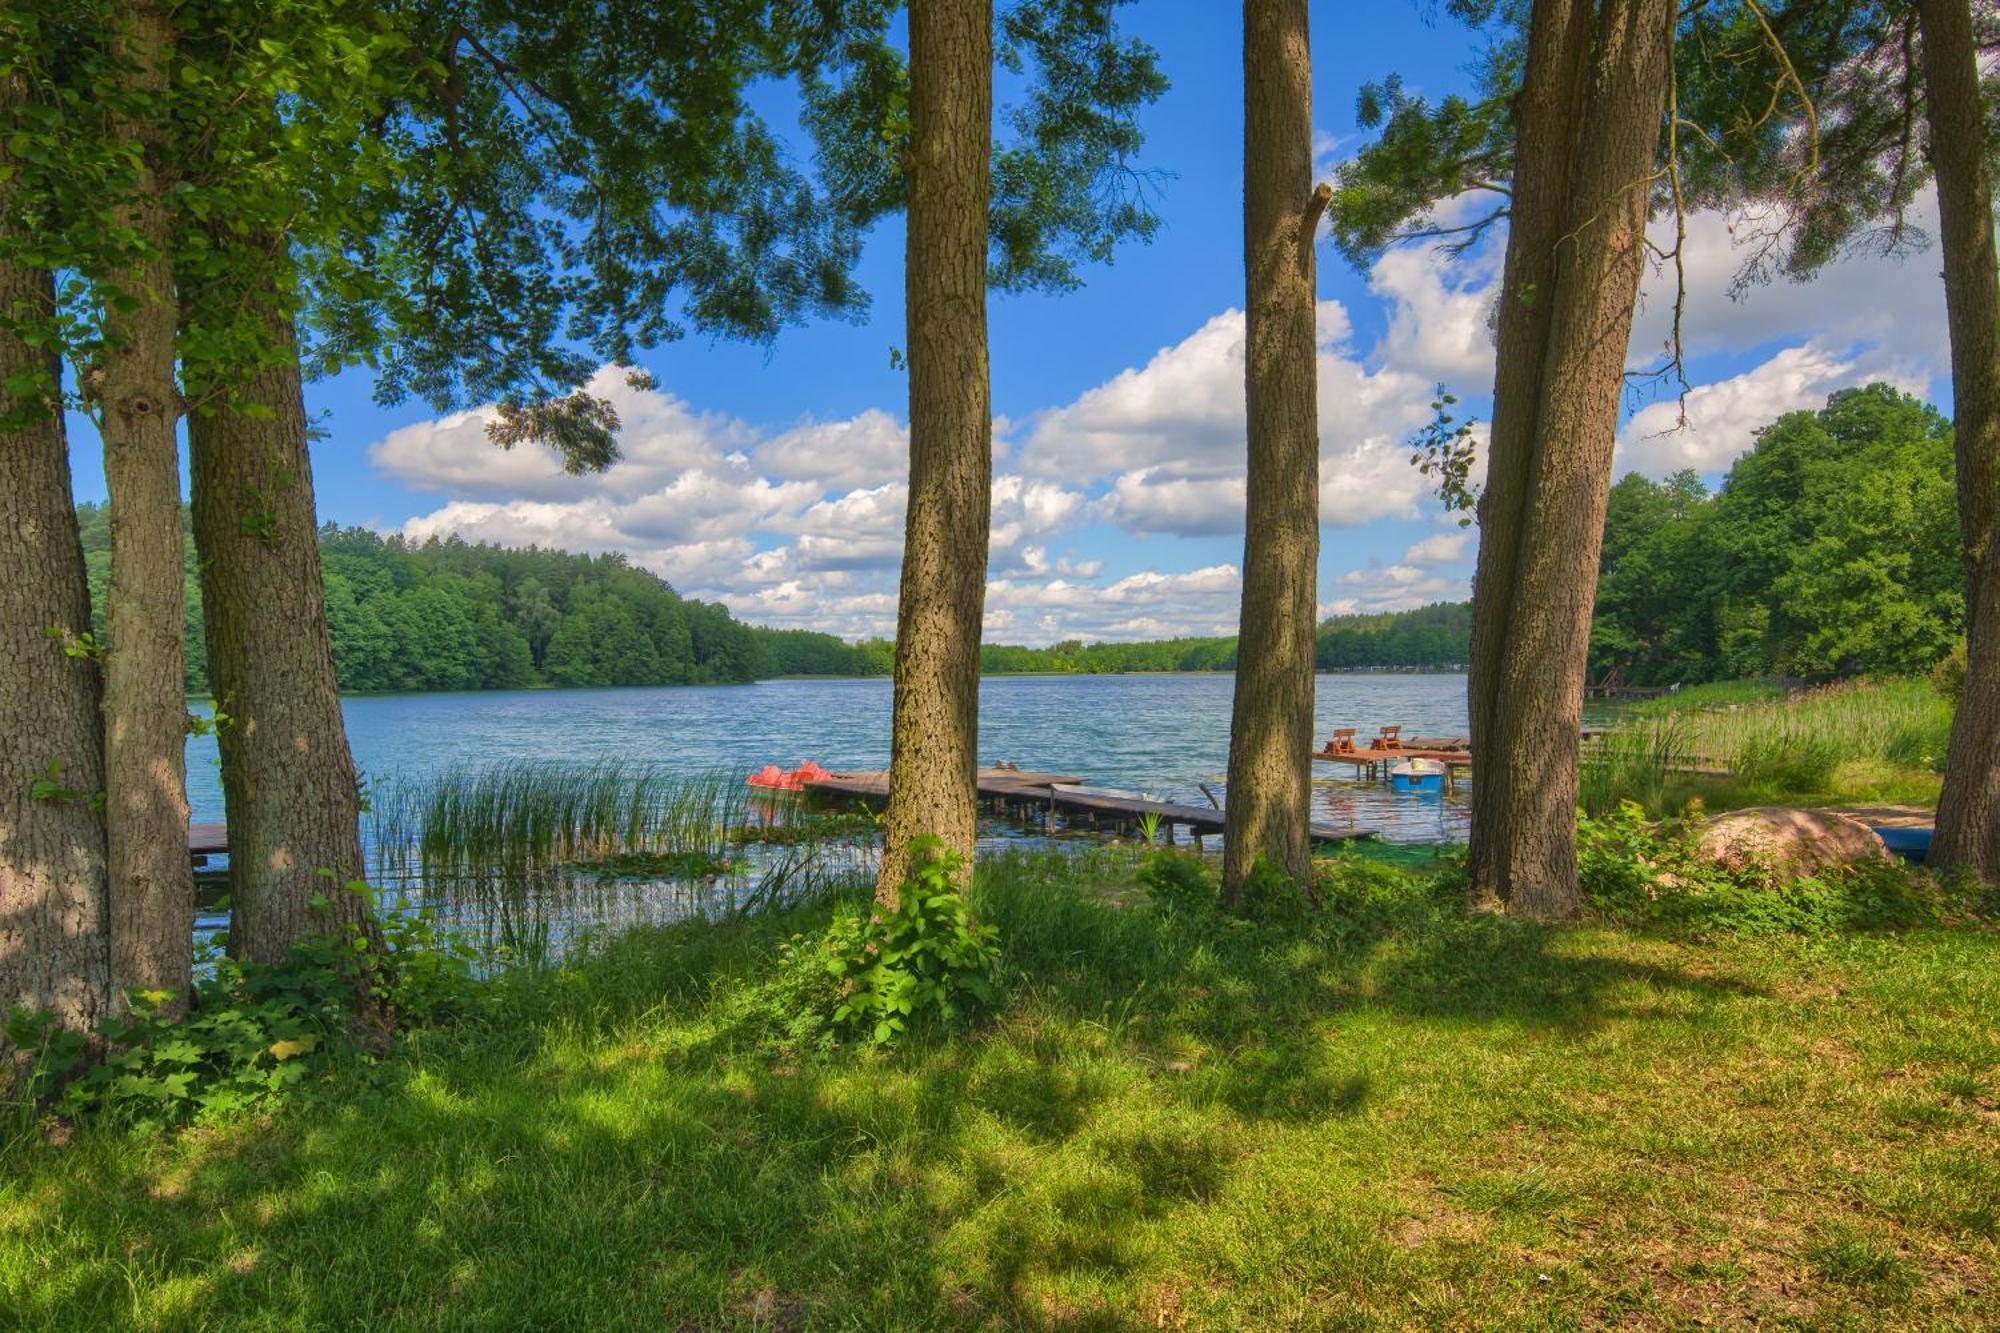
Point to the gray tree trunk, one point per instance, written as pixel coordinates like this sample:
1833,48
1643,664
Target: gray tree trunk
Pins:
1549,120
934,735
54,948
288,777
145,714
1535,714
1968,817
1270,733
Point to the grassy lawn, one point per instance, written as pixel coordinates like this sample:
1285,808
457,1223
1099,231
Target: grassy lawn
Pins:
1406,1117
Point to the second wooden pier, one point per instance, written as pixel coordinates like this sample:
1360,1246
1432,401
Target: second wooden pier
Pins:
1056,796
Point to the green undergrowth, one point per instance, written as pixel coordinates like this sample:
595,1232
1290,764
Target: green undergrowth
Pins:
1386,1112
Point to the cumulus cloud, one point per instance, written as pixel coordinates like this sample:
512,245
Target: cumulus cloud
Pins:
1396,587
1444,548
1721,418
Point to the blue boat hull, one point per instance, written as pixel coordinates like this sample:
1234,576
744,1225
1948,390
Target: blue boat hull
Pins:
1912,844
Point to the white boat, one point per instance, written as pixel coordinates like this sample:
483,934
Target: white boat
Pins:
1417,775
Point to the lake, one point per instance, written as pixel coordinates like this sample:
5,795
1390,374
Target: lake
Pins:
1164,734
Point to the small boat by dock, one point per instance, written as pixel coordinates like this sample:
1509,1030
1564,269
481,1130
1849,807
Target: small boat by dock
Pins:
1418,775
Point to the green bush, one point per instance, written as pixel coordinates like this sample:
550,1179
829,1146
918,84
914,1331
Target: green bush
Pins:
1948,676
1177,884
252,1032
927,959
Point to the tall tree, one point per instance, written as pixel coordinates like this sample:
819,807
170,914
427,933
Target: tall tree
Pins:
1527,849
1582,125
1268,817
893,136
290,790
54,949
1961,148
934,731
138,404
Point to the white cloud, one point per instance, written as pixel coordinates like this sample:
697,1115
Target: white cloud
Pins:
1442,548
1394,587
1722,418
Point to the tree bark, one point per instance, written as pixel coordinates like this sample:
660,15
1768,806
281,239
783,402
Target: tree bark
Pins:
934,735
1268,816
1549,124
1533,722
1968,817
145,713
288,777
54,949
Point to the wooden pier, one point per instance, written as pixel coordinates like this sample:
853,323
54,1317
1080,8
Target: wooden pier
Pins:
206,840
1050,796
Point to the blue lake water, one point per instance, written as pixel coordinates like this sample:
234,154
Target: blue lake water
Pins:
1164,734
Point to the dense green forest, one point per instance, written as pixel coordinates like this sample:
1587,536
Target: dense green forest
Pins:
447,614
1831,548
451,615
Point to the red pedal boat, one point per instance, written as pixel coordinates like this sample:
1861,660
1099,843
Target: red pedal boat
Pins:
771,778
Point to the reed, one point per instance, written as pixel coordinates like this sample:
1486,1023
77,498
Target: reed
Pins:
1868,740
529,860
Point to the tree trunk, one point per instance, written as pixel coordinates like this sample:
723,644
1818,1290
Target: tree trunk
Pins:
934,734
1268,817
145,714
1549,124
1534,727
54,951
1968,817
288,778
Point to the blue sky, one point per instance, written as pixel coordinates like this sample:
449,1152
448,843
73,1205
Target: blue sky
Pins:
770,478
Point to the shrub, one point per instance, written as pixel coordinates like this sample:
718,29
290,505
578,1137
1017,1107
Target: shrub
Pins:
252,1031
1178,885
928,958
1948,676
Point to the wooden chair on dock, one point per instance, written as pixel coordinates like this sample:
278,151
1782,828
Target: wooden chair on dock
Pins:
1390,739
1342,742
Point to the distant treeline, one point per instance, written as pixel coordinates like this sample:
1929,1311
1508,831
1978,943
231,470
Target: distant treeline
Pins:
448,614
454,615
1429,637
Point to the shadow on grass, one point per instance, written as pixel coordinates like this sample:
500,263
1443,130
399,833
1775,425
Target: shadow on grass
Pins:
614,1150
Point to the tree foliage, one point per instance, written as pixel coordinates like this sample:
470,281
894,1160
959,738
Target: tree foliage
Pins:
1830,549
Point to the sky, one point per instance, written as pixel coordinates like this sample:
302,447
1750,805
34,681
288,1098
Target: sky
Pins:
771,478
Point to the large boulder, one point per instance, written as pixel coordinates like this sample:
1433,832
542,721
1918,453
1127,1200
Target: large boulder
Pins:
1793,842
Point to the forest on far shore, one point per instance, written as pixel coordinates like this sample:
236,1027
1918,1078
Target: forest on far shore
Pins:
1829,549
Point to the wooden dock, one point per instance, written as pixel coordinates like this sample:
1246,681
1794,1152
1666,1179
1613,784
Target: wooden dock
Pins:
206,840
1048,796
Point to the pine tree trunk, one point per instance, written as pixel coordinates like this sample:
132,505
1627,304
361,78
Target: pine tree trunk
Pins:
934,736
54,948
1549,120
1968,817
1268,817
288,778
1538,719
145,713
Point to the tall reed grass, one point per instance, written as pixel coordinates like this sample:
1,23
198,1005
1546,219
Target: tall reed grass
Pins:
1857,740
529,857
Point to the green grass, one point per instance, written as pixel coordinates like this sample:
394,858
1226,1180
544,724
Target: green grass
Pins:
1858,743
1408,1117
